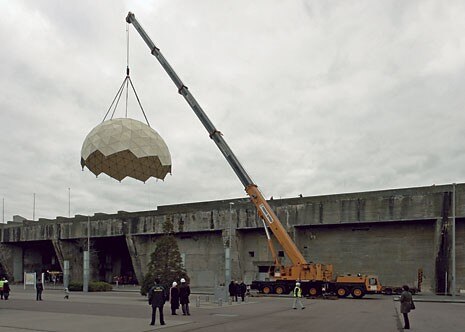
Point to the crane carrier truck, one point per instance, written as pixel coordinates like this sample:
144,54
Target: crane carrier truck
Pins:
314,278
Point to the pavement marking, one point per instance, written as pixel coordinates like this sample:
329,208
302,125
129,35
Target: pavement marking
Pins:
213,305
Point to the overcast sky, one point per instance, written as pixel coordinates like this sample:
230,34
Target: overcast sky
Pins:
314,97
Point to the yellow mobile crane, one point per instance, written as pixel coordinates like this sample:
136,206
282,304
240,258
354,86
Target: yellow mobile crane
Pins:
313,276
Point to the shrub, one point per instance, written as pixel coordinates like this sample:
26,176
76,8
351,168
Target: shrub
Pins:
99,286
75,286
94,286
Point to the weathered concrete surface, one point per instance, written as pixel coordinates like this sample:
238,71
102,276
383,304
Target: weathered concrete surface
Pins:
392,233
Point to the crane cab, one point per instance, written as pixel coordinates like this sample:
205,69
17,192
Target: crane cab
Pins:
357,285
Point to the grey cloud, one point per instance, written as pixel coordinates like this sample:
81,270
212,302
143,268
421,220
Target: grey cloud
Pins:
313,97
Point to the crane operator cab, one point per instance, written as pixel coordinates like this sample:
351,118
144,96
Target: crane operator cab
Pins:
373,284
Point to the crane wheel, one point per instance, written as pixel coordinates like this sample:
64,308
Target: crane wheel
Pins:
267,290
342,292
279,290
357,293
313,291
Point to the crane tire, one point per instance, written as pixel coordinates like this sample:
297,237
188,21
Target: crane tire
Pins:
267,290
357,293
313,291
342,292
279,289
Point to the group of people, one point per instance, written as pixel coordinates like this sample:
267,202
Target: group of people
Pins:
176,295
179,295
125,280
4,289
236,290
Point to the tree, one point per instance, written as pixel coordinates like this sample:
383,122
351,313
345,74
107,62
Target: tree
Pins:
165,261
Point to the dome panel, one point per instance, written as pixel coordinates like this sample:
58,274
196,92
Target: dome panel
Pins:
125,147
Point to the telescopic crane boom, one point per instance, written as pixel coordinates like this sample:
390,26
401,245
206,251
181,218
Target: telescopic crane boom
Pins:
300,265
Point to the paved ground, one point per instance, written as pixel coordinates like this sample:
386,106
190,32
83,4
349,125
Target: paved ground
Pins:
128,311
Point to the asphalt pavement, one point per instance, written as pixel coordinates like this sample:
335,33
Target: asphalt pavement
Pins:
126,310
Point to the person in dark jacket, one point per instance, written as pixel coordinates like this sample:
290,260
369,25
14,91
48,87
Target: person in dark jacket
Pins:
406,303
174,298
233,290
157,298
184,292
6,290
39,290
242,290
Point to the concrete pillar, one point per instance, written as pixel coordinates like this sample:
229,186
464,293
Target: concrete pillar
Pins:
58,252
132,244
11,258
234,251
72,252
85,273
227,265
5,257
18,264
65,273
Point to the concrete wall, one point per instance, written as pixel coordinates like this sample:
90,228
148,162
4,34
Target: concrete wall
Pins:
391,233
394,251
204,258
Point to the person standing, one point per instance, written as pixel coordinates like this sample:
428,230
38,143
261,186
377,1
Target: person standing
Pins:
39,290
297,296
157,298
406,304
242,290
184,292
232,290
174,298
6,290
2,282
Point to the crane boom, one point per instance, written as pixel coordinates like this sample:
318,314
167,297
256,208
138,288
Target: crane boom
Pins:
263,208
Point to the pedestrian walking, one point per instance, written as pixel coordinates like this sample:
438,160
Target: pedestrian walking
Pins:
2,282
242,290
297,296
157,298
406,304
6,290
39,290
174,298
66,293
184,292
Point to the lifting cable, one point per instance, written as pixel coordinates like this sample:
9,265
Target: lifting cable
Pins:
126,81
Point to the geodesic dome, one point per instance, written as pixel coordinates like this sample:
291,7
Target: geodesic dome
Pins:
124,147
